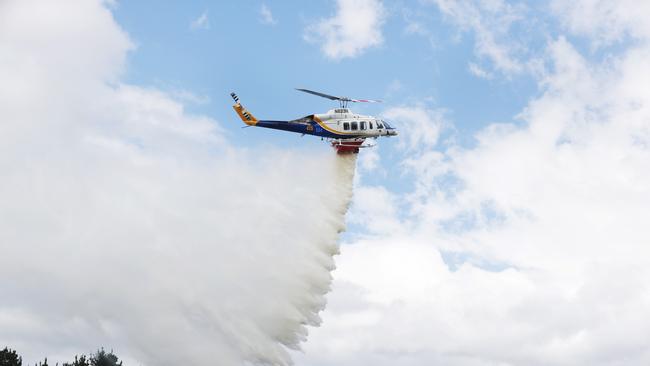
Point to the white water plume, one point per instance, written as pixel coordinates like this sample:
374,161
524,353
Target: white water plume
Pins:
130,224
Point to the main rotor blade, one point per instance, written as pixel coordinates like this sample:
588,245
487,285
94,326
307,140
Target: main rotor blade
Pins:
343,99
365,100
324,95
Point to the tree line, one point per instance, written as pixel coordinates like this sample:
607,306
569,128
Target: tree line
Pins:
9,357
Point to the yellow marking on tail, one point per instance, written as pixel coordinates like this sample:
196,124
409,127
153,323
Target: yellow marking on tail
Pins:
245,115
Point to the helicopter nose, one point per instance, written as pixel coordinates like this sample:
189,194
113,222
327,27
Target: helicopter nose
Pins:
392,133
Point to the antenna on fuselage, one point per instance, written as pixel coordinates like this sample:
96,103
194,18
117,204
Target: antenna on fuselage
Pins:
343,101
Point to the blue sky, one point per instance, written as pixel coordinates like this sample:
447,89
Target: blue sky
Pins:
235,50
264,62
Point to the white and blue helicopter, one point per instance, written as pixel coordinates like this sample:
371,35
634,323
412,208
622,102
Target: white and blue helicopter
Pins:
345,130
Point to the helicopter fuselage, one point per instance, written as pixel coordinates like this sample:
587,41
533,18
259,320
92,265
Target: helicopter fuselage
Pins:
338,123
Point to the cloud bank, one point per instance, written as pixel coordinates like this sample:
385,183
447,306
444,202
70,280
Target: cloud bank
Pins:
128,223
530,248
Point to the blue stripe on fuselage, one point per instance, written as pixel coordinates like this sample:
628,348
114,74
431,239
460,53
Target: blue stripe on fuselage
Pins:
311,128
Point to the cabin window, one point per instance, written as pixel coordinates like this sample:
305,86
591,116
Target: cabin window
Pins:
354,126
379,125
370,125
363,125
346,126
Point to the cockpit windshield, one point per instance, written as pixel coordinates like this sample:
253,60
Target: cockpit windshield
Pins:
387,125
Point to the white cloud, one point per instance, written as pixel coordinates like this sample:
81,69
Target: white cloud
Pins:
369,161
415,27
419,127
480,72
186,96
605,21
354,28
128,223
537,237
375,208
416,23
201,22
266,16
490,22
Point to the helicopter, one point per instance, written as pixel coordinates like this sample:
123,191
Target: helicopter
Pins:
346,131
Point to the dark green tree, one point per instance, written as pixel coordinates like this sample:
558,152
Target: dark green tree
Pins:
9,357
79,361
101,358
